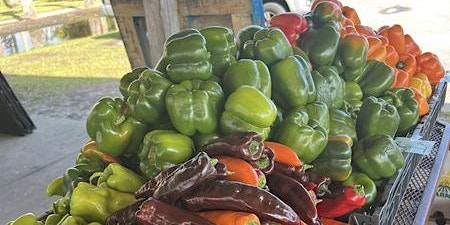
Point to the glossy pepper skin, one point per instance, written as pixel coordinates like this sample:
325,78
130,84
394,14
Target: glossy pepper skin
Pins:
248,109
351,14
342,123
293,25
353,94
407,108
370,189
420,82
154,212
126,80
220,43
244,35
125,215
95,204
318,113
326,12
26,219
162,149
352,53
376,111
422,101
271,45
395,36
377,49
187,57
407,63
378,156
293,84
193,106
112,128
429,64
146,97
302,134
351,198
244,145
230,195
119,178
330,87
256,75
377,77
320,44
411,46
334,161
391,56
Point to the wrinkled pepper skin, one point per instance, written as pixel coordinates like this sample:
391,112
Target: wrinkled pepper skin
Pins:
377,77
330,87
124,216
407,108
303,135
162,149
146,97
429,64
126,80
378,156
244,35
245,145
377,117
119,178
26,219
335,161
248,109
370,189
187,57
220,43
114,131
292,24
271,45
293,84
341,123
193,106
352,52
256,75
321,45
95,204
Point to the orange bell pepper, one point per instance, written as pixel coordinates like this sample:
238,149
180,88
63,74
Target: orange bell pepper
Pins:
420,81
316,2
347,22
240,170
396,37
391,56
407,62
351,14
348,30
429,64
422,101
332,222
377,50
284,154
225,217
383,39
365,30
402,78
411,47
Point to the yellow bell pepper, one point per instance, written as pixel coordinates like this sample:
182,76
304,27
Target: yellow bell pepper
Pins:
420,81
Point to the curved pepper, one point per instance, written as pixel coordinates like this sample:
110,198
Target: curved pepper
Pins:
244,35
420,82
351,14
248,109
342,123
162,149
325,12
378,156
187,57
377,49
351,198
292,83
220,43
126,80
146,97
320,44
26,219
370,189
256,75
376,78
330,87
373,113
395,36
224,217
407,108
411,47
193,106
271,45
429,64
302,134
119,178
244,145
334,161
240,170
391,56
113,130
293,25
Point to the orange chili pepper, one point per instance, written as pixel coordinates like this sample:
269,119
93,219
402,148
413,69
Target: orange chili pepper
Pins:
407,63
429,64
396,37
401,78
365,30
411,47
225,217
421,82
351,13
332,222
315,3
377,50
91,149
284,154
422,101
240,170
391,56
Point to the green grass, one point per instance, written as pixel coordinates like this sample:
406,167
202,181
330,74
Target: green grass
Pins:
40,7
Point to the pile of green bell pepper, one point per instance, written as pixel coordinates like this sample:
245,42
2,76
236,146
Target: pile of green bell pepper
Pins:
407,108
330,87
320,45
245,35
335,161
119,178
248,72
341,123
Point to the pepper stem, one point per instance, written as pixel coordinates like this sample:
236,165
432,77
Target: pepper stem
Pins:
359,189
254,147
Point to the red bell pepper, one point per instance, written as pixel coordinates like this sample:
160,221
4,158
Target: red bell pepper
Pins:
292,24
395,35
429,64
352,198
411,46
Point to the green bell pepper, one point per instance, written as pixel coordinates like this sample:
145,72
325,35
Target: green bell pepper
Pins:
114,131
370,189
377,117
335,161
326,12
330,86
73,220
146,97
126,80
353,94
378,156
162,149
248,109
95,204
302,134
53,219
352,56
292,83
407,107
256,75
318,113
187,57
341,123
270,45
203,139
220,43
300,53
193,106
26,219
118,178
321,45
246,34
376,78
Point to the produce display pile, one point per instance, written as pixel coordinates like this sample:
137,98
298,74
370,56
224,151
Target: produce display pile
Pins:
290,124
